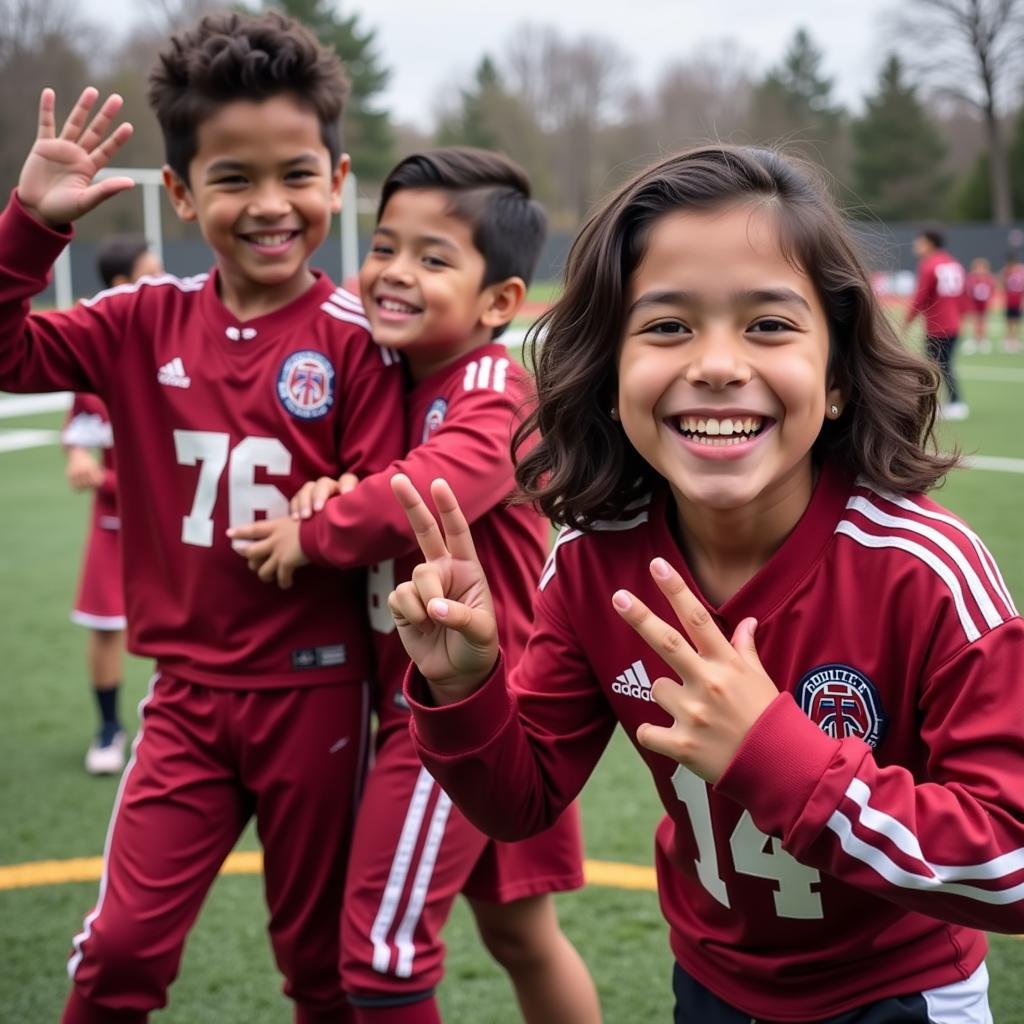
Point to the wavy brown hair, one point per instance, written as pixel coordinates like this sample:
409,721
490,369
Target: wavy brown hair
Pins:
583,467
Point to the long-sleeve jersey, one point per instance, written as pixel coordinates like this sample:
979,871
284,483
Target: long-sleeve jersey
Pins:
218,422
88,426
460,421
872,820
939,295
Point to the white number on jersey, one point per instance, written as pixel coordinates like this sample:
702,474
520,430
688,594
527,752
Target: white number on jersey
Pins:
379,584
753,853
210,451
949,280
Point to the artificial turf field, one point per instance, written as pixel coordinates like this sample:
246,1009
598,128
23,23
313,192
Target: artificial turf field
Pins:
51,811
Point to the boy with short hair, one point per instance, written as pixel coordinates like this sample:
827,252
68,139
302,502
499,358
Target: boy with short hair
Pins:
456,241
226,391
99,604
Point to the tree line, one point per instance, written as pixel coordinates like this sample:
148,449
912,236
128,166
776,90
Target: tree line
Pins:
940,135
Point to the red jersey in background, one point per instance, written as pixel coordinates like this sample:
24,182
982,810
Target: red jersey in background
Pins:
939,295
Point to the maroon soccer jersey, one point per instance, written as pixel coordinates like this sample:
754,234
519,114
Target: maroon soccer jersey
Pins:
88,426
217,423
880,788
461,421
939,295
981,286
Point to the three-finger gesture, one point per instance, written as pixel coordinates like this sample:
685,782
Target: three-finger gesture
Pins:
56,183
723,690
444,613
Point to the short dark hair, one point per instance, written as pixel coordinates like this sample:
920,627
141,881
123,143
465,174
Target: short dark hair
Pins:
583,467
117,255
933,235
491,194
231,56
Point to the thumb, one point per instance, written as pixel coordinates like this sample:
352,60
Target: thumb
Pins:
101,191
743,641
475,624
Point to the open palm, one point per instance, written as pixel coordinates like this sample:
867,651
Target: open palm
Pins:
444,615
56,180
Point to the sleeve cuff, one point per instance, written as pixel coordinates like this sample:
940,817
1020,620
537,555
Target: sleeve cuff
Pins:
32,245
778,765
464,727
309,541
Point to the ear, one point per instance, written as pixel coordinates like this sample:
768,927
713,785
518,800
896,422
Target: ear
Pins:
179,194
502,300
338,181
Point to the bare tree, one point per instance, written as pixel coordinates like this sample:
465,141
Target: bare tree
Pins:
973,49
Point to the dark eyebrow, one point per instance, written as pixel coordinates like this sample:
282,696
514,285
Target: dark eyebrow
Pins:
757,296
229,166
422,240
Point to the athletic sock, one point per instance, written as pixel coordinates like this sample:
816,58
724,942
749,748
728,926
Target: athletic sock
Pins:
110,725
422,1012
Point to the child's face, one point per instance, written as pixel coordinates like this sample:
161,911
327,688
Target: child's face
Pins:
722,367
421,281
263,189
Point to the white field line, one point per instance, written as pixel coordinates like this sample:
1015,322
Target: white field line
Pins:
995,463
16,440
29,405
999,374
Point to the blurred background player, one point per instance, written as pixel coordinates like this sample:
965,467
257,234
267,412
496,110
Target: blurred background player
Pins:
99,605
981,286
938,298
1013,290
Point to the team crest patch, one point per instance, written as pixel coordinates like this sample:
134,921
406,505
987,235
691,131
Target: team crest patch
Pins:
434,418
305,384
843,702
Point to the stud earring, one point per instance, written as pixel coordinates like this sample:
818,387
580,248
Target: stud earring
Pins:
614,413
834,409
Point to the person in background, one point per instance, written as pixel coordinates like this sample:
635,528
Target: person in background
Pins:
981,287
1013,290
938,298
99,606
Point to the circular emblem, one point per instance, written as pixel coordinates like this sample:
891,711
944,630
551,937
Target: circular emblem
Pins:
434,418
842,702
305,384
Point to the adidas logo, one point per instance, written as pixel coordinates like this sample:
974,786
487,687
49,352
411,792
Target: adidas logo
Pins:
173,374
634,682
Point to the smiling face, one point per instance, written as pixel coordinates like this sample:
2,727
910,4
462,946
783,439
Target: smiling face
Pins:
263,189
422,283
722,366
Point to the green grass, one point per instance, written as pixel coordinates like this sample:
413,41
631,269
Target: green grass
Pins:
49,809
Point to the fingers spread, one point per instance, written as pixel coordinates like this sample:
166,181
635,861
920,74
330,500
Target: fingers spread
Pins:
47,102
101,122
457,535
79,113
693,616
663,639
428,534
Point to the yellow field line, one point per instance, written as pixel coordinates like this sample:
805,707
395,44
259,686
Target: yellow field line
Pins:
87,869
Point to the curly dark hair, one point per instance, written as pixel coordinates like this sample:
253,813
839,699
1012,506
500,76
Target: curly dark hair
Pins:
231,56
583,467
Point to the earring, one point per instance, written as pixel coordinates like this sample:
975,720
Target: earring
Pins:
614,413
834,409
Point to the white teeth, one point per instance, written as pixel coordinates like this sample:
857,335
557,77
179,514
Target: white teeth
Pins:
394,306
276,239
708,427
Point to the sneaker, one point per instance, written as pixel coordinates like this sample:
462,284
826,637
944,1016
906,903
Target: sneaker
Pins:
954,411
984,346
968,347
1010,347
107,759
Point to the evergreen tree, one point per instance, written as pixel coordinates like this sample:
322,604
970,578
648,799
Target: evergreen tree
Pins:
898,152
973,197
367,129
471,124
793,104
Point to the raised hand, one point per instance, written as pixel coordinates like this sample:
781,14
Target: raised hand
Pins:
724,688
444,613
56,183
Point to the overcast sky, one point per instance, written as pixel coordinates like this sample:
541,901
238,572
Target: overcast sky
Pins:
432,44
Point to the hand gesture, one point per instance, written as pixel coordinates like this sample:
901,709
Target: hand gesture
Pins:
444,614
723,690
56,183
272,549
83,471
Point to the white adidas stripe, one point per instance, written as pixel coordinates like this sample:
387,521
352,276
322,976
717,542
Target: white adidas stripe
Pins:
348,316
978,591
342,297
984,555
929,558
602,525
183,284
943,878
